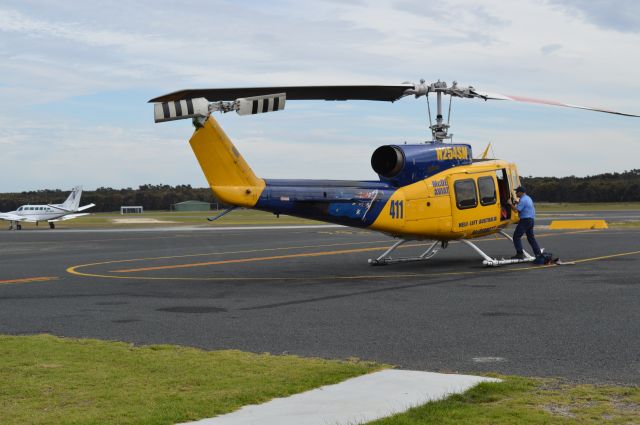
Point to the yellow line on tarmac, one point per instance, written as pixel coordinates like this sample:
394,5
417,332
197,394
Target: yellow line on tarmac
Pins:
247,260
73,270
280,257
29,279
247,251
622,254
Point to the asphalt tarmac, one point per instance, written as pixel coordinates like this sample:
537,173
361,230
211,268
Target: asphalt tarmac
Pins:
310,291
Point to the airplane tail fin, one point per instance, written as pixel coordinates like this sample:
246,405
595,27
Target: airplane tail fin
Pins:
230,177
73,201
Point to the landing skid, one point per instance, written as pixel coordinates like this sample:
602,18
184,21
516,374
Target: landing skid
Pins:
385,258
494,262
433,249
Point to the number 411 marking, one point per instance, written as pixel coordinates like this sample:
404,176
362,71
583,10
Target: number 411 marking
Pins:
396,210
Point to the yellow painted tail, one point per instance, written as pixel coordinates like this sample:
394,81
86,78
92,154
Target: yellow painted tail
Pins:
230,177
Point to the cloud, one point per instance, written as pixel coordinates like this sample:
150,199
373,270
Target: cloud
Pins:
75,77
550,48
618,15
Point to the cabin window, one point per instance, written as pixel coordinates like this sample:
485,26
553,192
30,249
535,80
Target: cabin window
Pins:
466,196
20,209
487,189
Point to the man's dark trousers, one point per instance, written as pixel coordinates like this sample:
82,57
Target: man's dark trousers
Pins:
525,226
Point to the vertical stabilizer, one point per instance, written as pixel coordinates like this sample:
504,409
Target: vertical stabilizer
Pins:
73,201
228,174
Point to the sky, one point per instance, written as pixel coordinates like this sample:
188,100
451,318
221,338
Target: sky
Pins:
75,78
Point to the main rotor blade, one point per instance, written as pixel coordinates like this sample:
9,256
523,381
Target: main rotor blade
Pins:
498,96
371,92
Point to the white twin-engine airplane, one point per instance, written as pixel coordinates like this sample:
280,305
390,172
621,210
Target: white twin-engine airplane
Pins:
50,213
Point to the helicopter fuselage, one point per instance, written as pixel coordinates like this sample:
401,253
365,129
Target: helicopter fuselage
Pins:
426,191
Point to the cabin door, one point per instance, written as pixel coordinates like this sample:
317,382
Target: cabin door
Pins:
505,192
475,206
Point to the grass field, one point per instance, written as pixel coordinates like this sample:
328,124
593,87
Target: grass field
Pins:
239,217
244,217
604,206
519,400
50,380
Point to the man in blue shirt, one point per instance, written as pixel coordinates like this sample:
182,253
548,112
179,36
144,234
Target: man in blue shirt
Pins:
527,213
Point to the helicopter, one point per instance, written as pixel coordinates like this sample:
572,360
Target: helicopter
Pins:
433,191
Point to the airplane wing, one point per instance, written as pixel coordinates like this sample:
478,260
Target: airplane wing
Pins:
12,217
68,217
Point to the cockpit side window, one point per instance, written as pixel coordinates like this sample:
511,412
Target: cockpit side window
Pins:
487,189
466,196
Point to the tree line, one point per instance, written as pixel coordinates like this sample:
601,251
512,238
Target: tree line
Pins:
608,187
150,197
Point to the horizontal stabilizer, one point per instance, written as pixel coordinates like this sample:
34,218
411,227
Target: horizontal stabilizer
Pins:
68,217
86,207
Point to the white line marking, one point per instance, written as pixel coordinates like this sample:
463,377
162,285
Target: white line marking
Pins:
188,229
357,400
488,359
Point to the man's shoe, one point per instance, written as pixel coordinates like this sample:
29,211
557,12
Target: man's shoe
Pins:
518,257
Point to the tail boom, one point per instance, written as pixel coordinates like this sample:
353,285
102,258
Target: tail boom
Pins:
229,176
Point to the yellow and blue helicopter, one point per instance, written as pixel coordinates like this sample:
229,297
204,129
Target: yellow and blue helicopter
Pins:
433,191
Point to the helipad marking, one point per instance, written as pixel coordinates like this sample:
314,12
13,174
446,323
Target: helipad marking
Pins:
356,400
278,257
74,270
252,259
29,279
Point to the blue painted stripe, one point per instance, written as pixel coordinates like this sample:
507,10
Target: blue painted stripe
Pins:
352,203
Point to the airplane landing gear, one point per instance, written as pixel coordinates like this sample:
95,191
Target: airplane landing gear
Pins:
18,226
52,225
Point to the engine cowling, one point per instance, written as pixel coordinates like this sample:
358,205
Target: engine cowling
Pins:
401,165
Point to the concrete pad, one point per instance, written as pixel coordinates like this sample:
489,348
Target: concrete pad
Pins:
353,401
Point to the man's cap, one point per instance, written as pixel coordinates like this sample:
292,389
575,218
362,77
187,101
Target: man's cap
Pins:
520,189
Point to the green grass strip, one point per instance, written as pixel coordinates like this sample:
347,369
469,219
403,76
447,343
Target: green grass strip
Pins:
240,217
596,206
519,400
50,380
